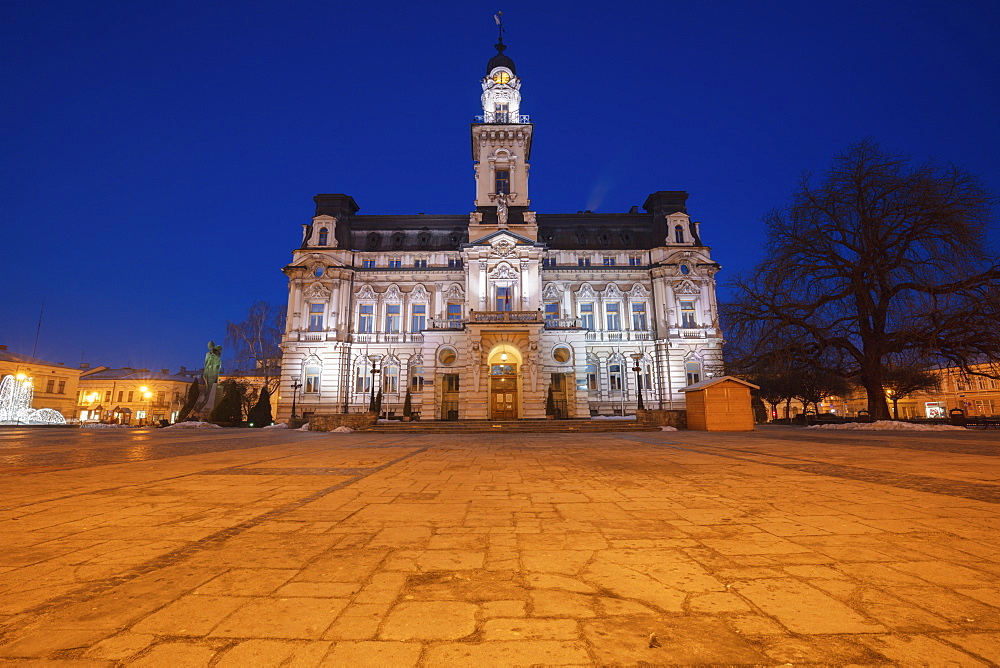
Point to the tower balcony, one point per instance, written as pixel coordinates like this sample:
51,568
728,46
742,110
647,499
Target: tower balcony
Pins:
503,117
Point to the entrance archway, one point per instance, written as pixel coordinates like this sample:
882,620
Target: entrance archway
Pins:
504,391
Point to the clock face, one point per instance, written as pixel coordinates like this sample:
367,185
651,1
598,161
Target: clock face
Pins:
501,77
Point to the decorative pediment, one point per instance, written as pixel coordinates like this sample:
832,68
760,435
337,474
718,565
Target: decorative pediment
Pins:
638,291
316,291
504,271
586,292
366,292
612,292
551,291
454,291
686,288
418,293
392,292
503,247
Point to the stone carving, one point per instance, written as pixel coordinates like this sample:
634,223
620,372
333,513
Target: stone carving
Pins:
424,238
455,236
686,288
503,248
418,292
604,239
317,291
581,235
397,240
504,271
454,292
529,217
366,292
612,292
638,291
551,291
374,240
392,292
502,209
586,292
626,237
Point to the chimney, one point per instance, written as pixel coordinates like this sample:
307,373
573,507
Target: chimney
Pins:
84,365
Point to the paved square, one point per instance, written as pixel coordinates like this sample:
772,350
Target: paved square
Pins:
245,548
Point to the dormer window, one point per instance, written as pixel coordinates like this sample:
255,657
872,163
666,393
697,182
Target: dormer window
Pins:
679,234
324,235
500,112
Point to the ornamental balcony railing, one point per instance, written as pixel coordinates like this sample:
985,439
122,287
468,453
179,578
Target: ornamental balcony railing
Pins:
563,323
512,317
503,117
441,323
387,337
626,335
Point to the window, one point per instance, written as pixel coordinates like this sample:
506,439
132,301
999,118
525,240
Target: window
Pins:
312,380
315,317
130,394
392,318
502,181
451,382
324,234
685,269
447,356
551,311
645,376
419,313
592,377
395,263
561,354
679,234
693,370
318,271
454,311
615,376
639,316
635,262
161,397
416,378
984,406
587,316
687,314
107,396
504,298
454,262
548,262
366,318
613,316
390,378
500,111
583,261
362,379
120,395
609,262
368,264
50,386
420,264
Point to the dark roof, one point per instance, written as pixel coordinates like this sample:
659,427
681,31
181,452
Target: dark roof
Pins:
500,60
8,356
131,374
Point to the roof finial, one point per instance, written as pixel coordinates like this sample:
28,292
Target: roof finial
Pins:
498,17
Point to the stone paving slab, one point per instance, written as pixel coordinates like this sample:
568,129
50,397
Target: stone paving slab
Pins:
250,548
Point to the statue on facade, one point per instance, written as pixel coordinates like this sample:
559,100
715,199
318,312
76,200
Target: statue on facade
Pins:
502,209
213,364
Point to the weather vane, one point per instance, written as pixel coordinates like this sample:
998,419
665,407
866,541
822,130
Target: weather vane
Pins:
498,17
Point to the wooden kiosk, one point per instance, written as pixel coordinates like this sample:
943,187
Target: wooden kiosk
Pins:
720,404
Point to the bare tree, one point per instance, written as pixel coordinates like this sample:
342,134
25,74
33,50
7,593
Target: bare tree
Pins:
256,345
903,379
881,257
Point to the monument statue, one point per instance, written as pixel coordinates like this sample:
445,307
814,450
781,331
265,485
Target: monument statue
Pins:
502,209
213,363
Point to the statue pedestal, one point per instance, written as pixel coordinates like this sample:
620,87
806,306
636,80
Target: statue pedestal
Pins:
203,409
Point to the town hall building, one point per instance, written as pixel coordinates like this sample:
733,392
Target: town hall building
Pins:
479,314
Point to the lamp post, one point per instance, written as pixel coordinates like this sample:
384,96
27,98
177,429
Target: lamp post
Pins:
147,395
638,387
374,372
295,393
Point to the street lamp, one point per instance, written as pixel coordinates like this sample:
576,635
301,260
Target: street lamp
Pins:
374,372
295,393
146,394
638,387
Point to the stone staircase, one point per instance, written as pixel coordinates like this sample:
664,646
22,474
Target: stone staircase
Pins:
512,426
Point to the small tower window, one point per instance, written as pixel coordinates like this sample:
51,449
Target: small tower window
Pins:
500,112
324,235
679,234
502,183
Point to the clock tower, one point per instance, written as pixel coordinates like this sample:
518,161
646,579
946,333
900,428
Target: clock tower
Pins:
501,148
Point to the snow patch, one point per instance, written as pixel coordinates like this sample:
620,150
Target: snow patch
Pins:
304,427
613,417
668,428
342,430
193,425
888,425
101,425
280,425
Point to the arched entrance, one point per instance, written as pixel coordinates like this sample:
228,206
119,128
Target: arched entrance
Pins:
504,393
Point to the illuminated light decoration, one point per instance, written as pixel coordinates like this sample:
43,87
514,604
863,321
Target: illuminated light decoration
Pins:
15,404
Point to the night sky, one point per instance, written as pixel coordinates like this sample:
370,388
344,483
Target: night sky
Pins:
160,158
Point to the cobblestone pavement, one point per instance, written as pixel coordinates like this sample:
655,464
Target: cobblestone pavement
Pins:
246,548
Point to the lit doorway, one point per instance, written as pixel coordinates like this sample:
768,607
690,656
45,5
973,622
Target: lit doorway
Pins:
504,363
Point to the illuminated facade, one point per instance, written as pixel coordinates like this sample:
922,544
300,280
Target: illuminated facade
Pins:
481,315
53,385
130,396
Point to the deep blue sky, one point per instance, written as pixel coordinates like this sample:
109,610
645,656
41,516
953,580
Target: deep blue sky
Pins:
161,157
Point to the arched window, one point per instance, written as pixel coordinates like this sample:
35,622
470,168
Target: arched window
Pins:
615,377
390,378
324,235
693,370
312,380
416,376
591,377
679,234
362,379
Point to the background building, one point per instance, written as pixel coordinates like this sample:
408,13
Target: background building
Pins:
130,396
54,384
478,315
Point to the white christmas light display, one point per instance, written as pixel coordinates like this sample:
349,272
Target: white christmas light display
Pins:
15,404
